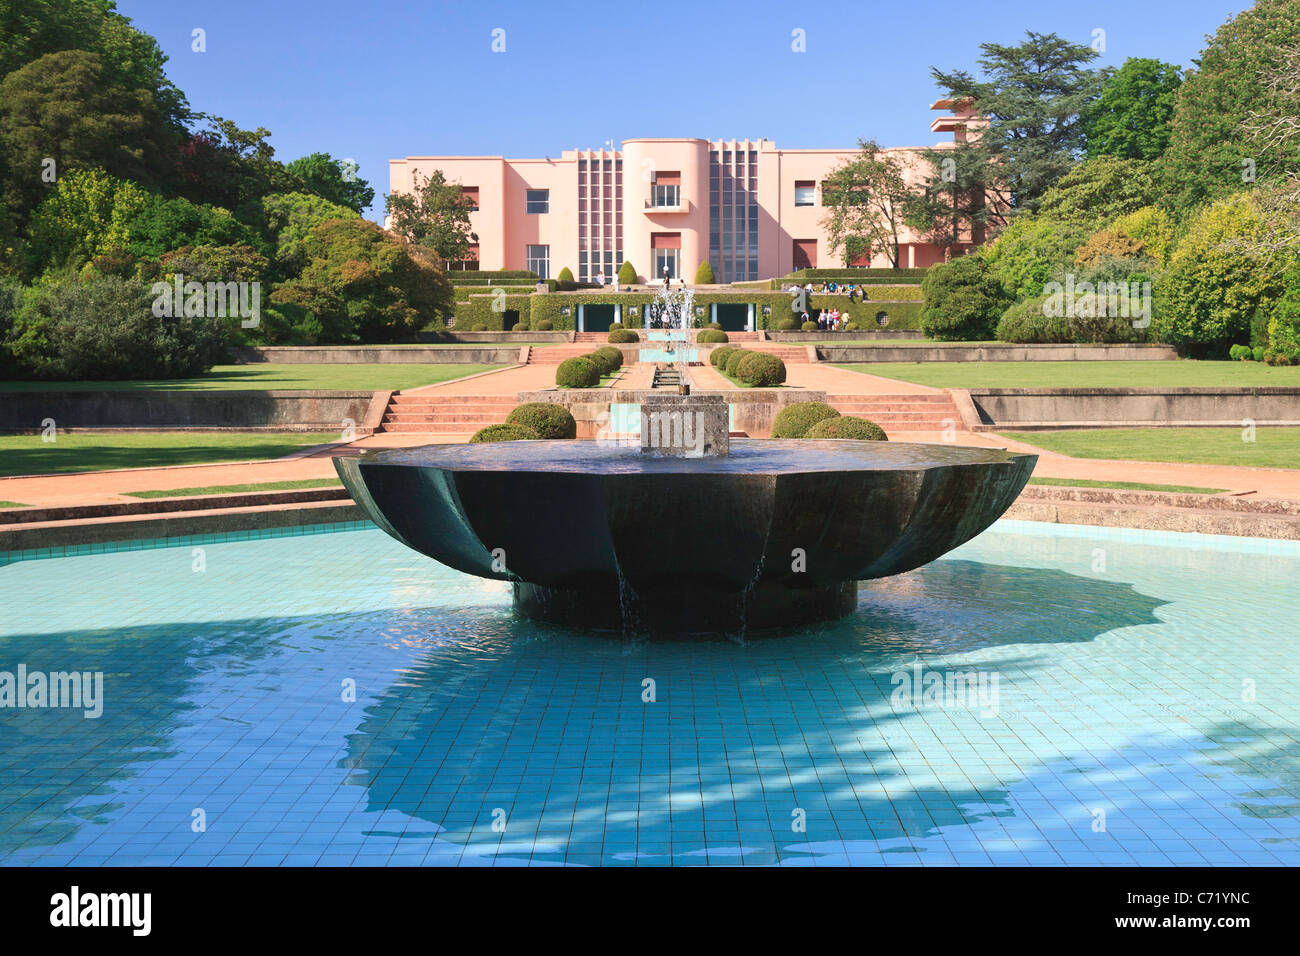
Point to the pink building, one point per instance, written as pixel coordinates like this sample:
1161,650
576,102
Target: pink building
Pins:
753,211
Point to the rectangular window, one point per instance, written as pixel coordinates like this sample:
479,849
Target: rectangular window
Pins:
539,261
470,194
805,193
539,200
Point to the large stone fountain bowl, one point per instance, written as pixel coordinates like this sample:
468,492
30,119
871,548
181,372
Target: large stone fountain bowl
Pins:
775,534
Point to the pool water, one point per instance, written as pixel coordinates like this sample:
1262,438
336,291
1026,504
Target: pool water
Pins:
1129,698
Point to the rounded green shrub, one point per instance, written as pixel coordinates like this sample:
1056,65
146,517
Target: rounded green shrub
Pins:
615,356
1241,353
505,432
546,419
1259,351
545,325
793,421
714,325
760,369
852,327
578,372
731,361
788,324
847,426
626,274
719,355
963,301
478,327
623,336
705,336
809,326
1025,322
704,274
616,325
521,326
566,275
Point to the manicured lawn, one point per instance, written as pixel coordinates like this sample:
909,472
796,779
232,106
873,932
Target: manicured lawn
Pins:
237,489
29,455
1184,372
1272,447
271,376
1125,485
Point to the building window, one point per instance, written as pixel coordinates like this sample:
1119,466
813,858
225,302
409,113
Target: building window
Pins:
539,200
470,195
805,193
805,254
468,264
539,261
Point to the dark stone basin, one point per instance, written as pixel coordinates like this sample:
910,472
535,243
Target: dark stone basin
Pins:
774,535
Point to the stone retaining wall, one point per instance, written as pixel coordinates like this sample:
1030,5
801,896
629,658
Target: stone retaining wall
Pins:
1136,352
1082,407
501,354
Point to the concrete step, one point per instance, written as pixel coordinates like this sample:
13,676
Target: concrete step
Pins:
937,397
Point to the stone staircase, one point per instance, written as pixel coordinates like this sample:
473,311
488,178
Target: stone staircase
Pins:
917,412
458,416
555,354
789,354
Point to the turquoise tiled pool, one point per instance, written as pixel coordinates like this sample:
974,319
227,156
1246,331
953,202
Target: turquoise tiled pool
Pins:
1144,712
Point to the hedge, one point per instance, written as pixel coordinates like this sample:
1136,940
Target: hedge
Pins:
503,433
546,419
578,372
760,369
606,359
707,336
793,421
719,355
847,426
852,275
478,310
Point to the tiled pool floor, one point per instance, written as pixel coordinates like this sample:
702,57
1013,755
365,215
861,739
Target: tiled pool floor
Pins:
1145,712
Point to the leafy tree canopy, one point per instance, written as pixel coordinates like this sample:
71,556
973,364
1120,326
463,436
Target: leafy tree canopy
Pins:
1131,118
435,215
333,179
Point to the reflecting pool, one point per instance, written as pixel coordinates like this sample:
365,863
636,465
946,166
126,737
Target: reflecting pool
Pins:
1043,695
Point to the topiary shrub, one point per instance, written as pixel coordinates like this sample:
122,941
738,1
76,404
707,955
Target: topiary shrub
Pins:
578,372
760,369
1259,351
505,432
714,325
610,357
793,421
546,419
614,326
626,274
1241,353
623,336
478,327
963,301
1025,322
705,336
852,327
545,325
788,324
704,274
847,426
809,326
731,361
520,326
719,355
566,275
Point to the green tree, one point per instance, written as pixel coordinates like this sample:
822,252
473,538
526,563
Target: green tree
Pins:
87,214
1035,96
61,112
161,225
1131,118
1211,289
364,284
1208,156
960,198
704,274
231,168
333,179
1099,190
626,274
866,199
1030,251
289,219
963,301
435,215
31,29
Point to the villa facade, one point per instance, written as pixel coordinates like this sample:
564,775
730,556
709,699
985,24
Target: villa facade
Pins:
752,210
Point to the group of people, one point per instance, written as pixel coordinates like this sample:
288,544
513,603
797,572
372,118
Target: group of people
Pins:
854,291
832,320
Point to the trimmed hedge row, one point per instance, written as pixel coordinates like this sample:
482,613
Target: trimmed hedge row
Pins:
479,311
850,274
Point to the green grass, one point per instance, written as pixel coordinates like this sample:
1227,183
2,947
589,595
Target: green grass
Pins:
1155,374
363,377
237,489
13,504
1272,447
29,455
1125,485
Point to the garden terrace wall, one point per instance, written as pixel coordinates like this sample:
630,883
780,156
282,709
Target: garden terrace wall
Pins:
848,338
956,352
1014,408
307,410
459,336
504,354
490,310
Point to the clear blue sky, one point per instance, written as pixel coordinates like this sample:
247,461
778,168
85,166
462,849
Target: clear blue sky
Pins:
376,79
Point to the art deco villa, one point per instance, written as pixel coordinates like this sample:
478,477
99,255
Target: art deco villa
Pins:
750,209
